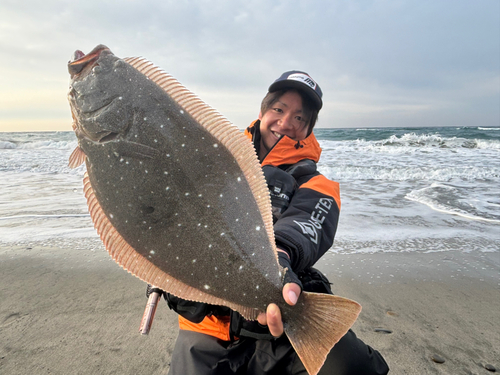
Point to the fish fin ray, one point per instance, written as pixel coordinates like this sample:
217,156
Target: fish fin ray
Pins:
76,158
325,320
223,130
136,264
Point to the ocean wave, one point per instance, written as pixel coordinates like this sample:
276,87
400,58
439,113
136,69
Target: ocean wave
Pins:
454,200
412,142
408,173
480,128
6,145
49,144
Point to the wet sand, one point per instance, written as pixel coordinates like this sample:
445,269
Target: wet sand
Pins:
66,311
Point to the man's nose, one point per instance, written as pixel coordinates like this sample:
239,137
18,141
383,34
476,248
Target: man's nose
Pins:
286,122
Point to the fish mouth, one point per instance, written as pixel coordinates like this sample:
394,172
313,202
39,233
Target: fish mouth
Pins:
80,61
106,137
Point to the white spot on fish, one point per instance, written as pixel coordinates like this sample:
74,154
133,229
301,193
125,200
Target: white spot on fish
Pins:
145,118
210,246
257,228
120,98
168,155
186,194
165,172
237,220
156,141
221,195
194,260
152,251
239,179
222,234
257,287
199,195
216,268
206,286
241,267
146,171
216,145
181,111
183,145
167,188
111,216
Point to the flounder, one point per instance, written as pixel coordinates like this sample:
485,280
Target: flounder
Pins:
178,197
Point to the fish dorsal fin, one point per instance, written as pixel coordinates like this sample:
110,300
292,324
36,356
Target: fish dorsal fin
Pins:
222,129
133,262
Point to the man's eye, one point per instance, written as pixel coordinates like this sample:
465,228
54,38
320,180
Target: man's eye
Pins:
279,110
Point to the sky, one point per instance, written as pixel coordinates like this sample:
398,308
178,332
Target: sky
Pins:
379,63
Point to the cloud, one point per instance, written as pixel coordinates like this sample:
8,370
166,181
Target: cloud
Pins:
414,61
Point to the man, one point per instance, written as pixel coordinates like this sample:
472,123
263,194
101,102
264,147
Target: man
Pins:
216,340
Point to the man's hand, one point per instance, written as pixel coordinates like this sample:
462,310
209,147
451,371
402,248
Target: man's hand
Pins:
272,317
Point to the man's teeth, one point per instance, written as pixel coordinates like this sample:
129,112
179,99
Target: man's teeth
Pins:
278,135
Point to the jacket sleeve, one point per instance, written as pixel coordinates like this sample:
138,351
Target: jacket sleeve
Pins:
307,228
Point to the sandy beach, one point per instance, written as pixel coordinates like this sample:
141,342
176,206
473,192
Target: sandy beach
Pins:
76,312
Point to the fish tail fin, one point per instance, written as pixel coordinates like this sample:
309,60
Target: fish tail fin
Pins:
323,320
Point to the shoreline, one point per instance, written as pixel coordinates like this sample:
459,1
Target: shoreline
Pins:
69,311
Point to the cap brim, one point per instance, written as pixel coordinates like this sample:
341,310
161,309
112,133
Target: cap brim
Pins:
290,84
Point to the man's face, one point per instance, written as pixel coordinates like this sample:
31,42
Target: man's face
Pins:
285,117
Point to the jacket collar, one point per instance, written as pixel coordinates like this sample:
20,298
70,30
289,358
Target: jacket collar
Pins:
286,150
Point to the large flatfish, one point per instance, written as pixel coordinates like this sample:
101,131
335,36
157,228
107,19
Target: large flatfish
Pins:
178,197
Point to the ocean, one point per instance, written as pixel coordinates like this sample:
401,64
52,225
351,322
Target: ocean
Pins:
402,189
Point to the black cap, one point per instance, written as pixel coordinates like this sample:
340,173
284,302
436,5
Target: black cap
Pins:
296,79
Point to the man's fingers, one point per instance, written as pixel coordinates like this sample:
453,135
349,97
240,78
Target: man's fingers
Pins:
291,292
272,317
274,323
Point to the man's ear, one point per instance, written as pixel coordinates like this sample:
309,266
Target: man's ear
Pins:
260,115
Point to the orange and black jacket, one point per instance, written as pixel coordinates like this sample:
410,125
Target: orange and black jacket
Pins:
305,211
306,226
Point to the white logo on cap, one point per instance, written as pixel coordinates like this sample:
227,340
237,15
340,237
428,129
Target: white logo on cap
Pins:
304,78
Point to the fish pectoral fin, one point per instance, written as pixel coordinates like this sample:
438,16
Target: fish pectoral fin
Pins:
76,158
324,320
136,150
